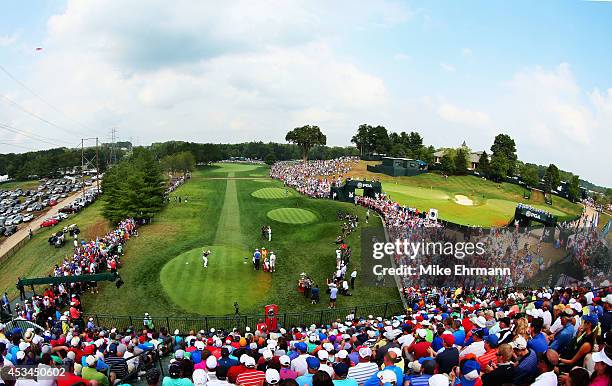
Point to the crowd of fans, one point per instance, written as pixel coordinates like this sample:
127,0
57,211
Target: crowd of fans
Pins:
95,256
312,178
447,336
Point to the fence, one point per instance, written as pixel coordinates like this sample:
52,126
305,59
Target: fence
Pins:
227,322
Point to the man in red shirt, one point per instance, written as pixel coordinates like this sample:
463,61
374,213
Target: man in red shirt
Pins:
235,371
251,376
419,348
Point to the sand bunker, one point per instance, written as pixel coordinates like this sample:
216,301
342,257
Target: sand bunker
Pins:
463,200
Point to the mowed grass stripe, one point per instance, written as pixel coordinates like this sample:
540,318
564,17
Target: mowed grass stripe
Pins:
271,193
292,215
228,229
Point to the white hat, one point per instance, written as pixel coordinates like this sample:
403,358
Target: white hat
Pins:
199,345
519,343
199,377
23,346
249,361
253,346
365,352
75,341
327,346
211,362
272,376
389,335
438,380
176,332
20,355
607,299
481,322
179,354
71,355
90,360
284,360
421,332
601,357
323,355
342,354
396,350
267,353
387,376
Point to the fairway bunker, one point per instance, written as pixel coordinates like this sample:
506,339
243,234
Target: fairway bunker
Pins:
292,216
463,200
271,193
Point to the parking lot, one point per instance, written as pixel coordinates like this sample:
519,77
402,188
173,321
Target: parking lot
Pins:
18,208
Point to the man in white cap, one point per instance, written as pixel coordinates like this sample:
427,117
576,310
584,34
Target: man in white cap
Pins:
272,261
91,374
285,371
323,356
387,378
251,376
363,370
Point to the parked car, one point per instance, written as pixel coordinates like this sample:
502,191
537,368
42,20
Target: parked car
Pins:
28,217
10,230
48,223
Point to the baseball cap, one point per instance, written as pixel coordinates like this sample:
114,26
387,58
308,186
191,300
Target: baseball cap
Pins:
592,319
323,355
313,363
493,340
341,369
284,360
249,361
211,362
199,377
519,343
449,339
438,380
342,354
272,376
387,376
601,356
301,346
365,352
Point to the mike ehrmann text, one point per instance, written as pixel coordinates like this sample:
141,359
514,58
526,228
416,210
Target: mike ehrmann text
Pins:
436,270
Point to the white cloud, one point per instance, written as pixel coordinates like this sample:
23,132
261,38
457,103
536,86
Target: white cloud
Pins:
402,57
8,40
447,67
465,117
466,52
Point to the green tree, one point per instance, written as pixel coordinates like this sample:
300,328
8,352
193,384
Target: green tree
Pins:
270,159
414,143
529,175
484,168
504,146
447,164
427,154
573,189
498,169
551,178
461,160
362,139
306,137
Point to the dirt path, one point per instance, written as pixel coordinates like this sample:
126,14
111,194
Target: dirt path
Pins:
22,234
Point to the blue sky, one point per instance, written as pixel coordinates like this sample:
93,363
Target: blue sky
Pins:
239,71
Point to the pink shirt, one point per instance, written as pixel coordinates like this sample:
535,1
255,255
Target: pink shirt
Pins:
286,373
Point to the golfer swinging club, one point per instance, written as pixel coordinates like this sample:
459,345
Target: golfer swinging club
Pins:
205,257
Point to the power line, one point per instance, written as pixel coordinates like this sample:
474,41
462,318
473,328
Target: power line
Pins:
16,145
41,98
23,109
17,131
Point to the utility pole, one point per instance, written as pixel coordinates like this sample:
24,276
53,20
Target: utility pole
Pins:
93,162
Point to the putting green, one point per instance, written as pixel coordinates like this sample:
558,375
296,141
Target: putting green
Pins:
417,192
204,290
271,193
292,215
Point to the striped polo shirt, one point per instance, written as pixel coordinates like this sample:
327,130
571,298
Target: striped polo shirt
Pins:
251,377
362,371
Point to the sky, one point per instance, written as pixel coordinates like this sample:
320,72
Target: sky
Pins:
238,71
